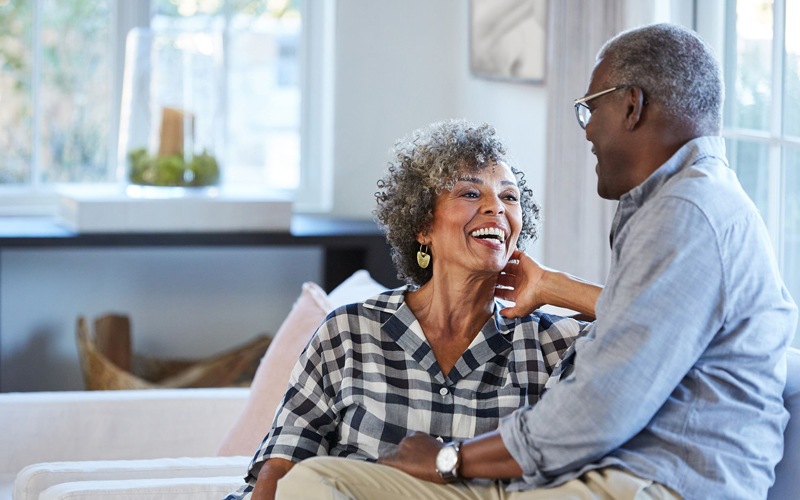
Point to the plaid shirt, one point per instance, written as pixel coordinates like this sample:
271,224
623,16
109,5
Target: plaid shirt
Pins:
368,378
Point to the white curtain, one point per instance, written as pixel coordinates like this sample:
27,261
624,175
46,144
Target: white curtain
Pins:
576,220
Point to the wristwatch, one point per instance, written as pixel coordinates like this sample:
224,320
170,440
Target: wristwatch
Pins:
448,459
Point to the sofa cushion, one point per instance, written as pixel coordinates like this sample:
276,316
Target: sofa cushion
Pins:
787,478
198,488
35,479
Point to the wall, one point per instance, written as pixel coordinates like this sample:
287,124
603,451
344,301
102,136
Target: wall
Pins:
403,64
396,70
184,303
399,65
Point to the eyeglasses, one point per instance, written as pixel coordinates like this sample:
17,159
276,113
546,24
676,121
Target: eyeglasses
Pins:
582,111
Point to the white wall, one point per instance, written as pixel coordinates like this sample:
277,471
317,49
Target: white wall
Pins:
182,302
403,64
396,70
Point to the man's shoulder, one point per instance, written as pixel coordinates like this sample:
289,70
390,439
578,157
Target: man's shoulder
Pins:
709,190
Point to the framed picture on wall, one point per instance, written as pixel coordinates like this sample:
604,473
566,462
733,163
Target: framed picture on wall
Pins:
508,39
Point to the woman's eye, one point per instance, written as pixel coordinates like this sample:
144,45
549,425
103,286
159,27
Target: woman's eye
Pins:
470,194
511,197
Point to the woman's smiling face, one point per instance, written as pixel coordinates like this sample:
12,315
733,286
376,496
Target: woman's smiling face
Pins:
476,224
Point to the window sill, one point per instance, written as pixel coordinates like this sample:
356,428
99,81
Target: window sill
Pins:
113,208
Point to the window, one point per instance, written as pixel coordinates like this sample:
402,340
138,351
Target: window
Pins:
761,65
262,88
54,91
61,66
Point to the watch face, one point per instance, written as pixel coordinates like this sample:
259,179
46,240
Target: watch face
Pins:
447,459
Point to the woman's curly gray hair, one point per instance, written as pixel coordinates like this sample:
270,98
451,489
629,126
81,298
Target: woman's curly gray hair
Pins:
424,164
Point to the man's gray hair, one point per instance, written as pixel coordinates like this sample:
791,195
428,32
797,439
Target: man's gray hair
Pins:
674,67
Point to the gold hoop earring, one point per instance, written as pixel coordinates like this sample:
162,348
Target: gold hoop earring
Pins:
423,257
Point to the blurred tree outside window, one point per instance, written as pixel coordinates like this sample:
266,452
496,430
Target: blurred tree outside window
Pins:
54,91
59,107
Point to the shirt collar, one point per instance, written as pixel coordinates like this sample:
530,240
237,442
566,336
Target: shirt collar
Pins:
494,338
391,301
688,155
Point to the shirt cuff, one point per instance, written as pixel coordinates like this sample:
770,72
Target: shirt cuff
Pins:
522,450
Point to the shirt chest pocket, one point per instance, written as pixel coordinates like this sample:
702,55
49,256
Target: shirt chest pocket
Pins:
488,407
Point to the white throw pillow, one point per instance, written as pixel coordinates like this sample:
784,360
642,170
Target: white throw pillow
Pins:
357,288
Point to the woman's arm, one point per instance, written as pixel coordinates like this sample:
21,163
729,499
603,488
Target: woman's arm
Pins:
531,286
267,482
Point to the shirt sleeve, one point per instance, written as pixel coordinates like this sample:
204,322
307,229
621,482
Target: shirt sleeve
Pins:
306,421
556,335
658,312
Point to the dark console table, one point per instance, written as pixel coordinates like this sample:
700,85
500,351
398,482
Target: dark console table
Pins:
348,245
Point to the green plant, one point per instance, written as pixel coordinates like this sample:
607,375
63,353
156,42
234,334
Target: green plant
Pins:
172,170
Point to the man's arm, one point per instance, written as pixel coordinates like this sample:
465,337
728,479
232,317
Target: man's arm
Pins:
267,483
531,286
659,311
484,456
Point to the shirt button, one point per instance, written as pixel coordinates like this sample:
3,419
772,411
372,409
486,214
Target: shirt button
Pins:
443,391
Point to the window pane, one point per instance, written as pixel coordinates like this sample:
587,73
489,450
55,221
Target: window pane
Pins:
749,99
262,83
75,96
749,160
791,222
791,84
16,106
264,97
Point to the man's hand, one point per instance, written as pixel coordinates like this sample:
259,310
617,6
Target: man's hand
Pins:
520,282
416,455
530,286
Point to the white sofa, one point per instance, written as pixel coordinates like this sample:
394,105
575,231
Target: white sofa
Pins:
113,444
119,444
162,443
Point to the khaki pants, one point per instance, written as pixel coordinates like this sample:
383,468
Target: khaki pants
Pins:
338,479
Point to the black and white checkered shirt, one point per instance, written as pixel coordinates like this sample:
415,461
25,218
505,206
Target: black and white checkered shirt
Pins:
368,378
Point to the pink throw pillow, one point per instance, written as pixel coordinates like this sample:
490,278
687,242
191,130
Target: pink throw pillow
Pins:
272,376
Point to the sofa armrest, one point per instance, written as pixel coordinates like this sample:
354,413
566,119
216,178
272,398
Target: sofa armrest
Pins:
206,488
35,479
110,425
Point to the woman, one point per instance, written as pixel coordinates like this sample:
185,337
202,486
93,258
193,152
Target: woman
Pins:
434,356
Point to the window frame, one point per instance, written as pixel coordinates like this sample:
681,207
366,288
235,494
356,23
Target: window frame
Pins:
716,22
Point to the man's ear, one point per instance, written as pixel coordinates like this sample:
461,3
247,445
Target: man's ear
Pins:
636,101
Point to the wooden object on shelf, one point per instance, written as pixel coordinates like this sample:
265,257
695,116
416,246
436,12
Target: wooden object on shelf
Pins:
173,136
235,367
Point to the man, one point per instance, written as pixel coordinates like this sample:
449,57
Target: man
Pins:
676,392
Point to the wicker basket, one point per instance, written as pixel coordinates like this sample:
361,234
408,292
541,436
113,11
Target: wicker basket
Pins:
108,363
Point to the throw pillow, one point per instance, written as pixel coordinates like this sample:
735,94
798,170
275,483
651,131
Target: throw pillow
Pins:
272,376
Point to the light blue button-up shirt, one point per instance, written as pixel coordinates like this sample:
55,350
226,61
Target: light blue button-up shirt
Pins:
680,380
